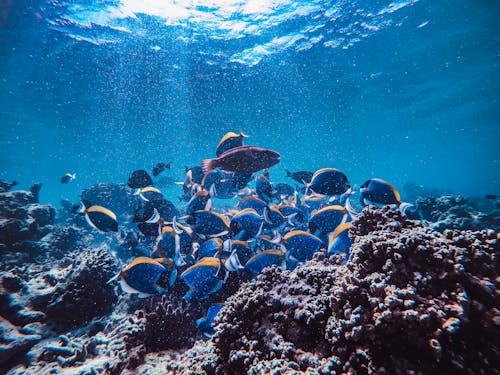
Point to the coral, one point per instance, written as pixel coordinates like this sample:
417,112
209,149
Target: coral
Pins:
5,186
13,342
450,212
409,300
86,294
170,322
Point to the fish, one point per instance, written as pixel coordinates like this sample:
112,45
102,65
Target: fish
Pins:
229,141
98,217
264,188
252,202
491,197
141,276
199,201
139,179
206,324
302,177
328,181
339,241
328,218
209,248
203,278
267,258
160,167
149,193
239,251
301,245
245,224
380,192
243,159
283,191
209,224
68,177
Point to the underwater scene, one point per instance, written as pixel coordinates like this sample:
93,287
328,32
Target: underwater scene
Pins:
249,187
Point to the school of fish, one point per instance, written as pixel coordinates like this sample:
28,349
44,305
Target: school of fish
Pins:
272,224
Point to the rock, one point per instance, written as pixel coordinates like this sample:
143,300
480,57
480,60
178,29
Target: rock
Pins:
13,344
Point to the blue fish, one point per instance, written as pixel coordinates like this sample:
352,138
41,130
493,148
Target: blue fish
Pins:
246,224
263,188
141,276
209,248
202,278
239,251
339,242
328,181
283,191
206,323
68,177
253,202
379,192
149,193
169,246
209,224
199,201
265,259
327,219
301,245
98,217
230,140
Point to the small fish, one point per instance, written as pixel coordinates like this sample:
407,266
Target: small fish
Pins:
265,259
328,181
328,218
139,179
68,177
202,278
199,201
98,217
243,159
301,245
209,224
246,224
239,251
379,192
209,248
491,197
264,188
160,167
149,193
339,241
283,191
141,276
302,177
229,141
206,324
253,202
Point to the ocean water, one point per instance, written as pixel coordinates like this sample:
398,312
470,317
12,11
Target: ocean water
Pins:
407,91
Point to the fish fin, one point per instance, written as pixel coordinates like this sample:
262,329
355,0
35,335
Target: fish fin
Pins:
350,209
260,229
116,277
290,219
405,206
212,191
208,206
177,230
226,246
208,165
180,183
154,218
178,259
202,236
265,215
127,288
158,289
243,135
189,295
218,286
143,295
277,238
81,208
87,218
173,277
143,198
288,173
200,321
233,264
219,234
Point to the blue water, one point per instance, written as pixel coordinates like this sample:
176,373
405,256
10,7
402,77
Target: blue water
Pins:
407,91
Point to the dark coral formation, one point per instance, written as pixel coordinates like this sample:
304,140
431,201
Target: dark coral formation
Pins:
23,220
86,294
457,212
410,300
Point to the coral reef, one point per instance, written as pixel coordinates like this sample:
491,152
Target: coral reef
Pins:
407,301
457,212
